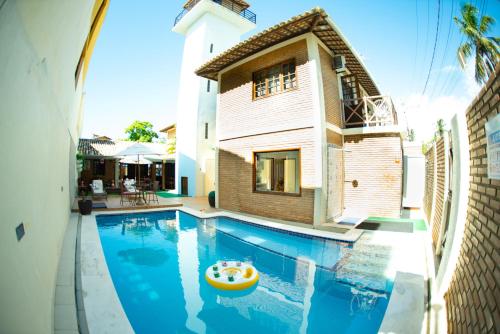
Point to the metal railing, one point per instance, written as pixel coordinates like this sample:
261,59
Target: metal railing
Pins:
369,111
245,13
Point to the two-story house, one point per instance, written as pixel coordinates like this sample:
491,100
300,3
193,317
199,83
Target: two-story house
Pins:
302,131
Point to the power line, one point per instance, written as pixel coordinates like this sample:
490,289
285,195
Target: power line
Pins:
416,48
435,44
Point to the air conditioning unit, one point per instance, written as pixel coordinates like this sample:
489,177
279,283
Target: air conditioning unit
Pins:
339,63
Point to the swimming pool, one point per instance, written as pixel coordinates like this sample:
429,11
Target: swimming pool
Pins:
157,262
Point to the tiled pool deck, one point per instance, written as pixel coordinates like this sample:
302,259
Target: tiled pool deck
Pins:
404,252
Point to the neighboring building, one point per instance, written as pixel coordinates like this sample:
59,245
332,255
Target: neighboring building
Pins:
170,133
101,161
44,55
209,26
303,133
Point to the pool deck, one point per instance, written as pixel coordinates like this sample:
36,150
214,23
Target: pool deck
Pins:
104,313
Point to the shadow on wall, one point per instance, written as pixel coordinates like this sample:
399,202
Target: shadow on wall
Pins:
236,193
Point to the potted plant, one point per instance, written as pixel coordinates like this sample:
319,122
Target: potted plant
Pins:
211,199
85,203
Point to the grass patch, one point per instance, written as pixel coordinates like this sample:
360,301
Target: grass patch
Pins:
166,194
418,224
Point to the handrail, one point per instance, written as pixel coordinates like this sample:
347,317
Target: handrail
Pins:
245,13
369,111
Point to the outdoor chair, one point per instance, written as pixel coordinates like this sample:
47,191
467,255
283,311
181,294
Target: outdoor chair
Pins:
98,189
151,194
128,193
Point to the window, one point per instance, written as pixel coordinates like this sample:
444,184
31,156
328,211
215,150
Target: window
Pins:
211,47
277,172
206,130
274,79
98,167
208,86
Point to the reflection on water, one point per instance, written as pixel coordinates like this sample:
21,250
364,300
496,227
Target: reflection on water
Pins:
307,285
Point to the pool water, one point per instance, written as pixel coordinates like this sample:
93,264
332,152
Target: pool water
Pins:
158,260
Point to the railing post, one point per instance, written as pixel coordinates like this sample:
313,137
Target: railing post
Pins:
342,114
365,110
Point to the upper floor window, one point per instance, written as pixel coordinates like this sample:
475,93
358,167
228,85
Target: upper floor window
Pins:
275,79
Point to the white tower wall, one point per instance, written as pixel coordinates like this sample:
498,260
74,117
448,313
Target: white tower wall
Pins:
206,24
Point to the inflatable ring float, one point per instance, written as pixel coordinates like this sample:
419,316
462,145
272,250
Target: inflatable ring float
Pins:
231,275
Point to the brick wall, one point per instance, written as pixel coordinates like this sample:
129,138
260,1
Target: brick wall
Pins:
429,183
440,195
376,163
288,110
473,299
330,88
236,176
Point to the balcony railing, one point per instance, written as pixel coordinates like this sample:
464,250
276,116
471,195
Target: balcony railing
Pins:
369,111
245,13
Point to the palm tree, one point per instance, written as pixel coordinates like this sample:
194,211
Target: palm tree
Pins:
485,49
440,128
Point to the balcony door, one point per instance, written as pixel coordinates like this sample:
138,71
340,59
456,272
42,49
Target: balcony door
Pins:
353,108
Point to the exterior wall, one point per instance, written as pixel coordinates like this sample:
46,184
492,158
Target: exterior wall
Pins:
435,224
330,89
207,23
375,162
41,108
473,298
288,110
429,183
236,176
334,138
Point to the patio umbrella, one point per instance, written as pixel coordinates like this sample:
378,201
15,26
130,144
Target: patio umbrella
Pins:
138,150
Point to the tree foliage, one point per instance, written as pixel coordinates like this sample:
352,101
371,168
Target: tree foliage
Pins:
141,131
484,49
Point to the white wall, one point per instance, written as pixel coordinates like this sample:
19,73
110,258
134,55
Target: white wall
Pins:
207,23
41,45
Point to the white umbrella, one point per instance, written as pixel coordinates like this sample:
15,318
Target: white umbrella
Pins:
138,149
132,160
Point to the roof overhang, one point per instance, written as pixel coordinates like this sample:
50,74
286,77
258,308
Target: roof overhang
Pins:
315,21
166,129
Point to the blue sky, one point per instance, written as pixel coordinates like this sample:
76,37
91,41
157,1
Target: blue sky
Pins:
134,70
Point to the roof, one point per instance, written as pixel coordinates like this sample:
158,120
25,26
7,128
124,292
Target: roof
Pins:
191,3
110,148
167,128
316,21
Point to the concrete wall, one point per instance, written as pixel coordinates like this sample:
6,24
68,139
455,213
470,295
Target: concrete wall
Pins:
41,44
376,163
473,297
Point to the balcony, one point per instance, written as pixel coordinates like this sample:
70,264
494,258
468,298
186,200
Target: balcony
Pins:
369,111
245,13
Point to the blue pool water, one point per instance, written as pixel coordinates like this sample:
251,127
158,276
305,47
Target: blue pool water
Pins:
307,285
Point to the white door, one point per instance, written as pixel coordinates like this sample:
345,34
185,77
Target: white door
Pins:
414,181
335,182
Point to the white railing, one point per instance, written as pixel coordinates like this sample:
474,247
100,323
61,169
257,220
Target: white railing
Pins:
369,111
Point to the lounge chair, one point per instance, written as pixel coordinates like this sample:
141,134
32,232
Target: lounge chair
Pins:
98,189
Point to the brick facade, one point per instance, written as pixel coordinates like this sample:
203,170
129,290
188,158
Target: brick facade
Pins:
473,299
435,224
236,176
376,163
429,183
330,89
282,121
288,110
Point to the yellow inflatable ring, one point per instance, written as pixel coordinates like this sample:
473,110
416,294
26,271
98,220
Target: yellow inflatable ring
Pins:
231,275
